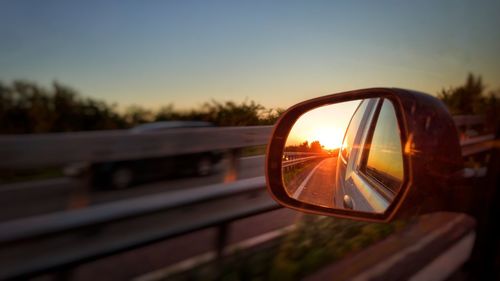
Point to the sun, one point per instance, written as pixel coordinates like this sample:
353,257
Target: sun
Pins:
329,137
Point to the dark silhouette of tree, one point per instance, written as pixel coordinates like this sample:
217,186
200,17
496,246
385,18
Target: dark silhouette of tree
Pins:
223,114
303,147
168,112
469,98
135,115
26,107
316,147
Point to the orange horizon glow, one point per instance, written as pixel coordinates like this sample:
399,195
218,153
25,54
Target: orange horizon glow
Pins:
329,137
326,124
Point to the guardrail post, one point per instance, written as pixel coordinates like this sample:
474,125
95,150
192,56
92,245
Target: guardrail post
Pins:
79,197
233,158
63,275
221,240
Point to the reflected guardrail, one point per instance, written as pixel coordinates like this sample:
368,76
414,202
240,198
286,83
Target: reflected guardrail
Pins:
291,163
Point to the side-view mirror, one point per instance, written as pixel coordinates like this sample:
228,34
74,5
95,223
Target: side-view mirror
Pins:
372,154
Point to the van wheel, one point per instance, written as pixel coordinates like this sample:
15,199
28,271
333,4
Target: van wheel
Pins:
122,178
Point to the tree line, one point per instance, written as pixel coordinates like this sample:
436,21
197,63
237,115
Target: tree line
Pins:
26,107
473,98
314,147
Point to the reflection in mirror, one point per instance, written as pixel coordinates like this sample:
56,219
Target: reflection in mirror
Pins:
345,156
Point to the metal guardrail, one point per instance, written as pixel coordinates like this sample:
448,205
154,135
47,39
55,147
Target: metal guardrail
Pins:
293,158
98,230
294,153
290,163
47,242
431,247
23,151
477,145
469,120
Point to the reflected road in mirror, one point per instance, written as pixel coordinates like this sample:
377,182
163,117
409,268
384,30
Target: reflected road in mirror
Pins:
345,156
313,184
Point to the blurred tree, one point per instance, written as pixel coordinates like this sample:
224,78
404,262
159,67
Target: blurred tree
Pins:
135,115
316,147
304,147
26,107
232,114
270,116
471,98
223,114
168,112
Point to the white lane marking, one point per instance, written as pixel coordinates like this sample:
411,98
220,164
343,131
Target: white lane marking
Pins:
189,263
181,266
299,190
384,266
448,262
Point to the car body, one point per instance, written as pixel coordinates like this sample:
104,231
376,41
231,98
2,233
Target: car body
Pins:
364,183
124,173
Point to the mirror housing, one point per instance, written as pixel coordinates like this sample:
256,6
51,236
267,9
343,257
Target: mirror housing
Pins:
431,153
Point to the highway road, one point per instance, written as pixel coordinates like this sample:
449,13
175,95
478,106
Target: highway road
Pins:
316,184
28,199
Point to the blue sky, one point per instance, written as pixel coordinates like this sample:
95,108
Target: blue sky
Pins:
274,52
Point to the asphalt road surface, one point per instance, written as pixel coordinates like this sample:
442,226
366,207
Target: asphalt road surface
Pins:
316,184
28,199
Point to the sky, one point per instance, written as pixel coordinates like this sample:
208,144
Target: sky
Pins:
277,53
326,124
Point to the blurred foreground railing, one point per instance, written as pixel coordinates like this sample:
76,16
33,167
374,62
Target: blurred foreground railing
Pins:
475,134
61,241
432,247
25,151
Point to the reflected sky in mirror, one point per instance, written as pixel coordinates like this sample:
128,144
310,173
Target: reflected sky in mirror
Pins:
326,124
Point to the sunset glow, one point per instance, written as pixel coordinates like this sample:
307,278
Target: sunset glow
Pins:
326,124
329,137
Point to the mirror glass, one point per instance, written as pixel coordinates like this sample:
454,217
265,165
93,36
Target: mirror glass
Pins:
346,156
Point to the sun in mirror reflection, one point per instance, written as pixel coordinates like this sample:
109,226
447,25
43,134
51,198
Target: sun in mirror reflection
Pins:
311,152
326,124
